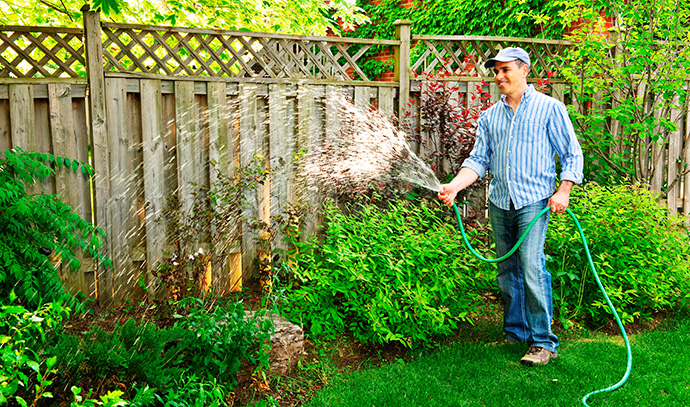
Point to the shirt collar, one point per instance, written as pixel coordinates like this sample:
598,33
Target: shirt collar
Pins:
525,95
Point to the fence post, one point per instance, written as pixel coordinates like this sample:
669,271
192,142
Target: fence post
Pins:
402,63
99,142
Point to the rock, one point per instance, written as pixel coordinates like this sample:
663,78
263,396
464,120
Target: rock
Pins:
287,344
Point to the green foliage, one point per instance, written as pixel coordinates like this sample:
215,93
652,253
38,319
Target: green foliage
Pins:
110,399
195,391
628,84
311,17
34,224
511,18
197,358
25,374
395,275
641,253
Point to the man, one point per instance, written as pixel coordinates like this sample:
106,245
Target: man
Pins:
516,139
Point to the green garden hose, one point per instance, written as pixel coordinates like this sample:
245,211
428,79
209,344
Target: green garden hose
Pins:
594,272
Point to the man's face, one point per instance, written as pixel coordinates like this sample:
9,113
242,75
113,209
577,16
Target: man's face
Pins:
509,77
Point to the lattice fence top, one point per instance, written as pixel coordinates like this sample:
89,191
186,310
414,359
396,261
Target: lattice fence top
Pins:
464,56
41,52
187,52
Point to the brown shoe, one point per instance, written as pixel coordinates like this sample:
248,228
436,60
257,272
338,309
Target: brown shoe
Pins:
538,356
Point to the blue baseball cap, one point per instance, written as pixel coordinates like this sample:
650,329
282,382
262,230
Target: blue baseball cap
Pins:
508,54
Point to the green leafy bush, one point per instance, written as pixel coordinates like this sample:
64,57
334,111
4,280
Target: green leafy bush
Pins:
31,224
641,252
25,375
395,275
202,350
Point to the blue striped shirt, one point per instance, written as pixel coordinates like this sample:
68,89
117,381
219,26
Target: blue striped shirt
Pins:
519,149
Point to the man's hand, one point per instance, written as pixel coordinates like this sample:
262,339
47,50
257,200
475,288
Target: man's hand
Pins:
461,181
559,201
447,194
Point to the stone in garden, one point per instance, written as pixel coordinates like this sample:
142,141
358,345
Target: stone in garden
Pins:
287,344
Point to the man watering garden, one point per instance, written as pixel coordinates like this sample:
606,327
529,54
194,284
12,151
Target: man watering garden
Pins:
517,139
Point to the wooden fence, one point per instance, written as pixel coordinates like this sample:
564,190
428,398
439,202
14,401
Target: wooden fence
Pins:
157,110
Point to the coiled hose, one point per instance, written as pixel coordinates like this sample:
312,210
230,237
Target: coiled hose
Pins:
594,272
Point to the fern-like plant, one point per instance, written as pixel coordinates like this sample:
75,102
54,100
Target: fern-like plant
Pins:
34,225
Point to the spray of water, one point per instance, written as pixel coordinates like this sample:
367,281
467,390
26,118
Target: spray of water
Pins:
365,149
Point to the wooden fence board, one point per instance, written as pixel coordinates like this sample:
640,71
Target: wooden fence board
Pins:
220,144
43,141
281,146
124,205
658,158
81,135
675,150
67,182
362,97
188,171
5,130
153,139
250,144
22,117
386,101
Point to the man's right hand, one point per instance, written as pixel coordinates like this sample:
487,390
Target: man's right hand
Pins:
447,194
449,191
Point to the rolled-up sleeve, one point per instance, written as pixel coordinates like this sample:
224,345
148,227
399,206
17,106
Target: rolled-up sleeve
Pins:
564,141
480,156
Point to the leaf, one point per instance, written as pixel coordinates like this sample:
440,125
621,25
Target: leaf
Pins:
33,365
50,362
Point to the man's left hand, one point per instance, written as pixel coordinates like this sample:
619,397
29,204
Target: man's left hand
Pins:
559,201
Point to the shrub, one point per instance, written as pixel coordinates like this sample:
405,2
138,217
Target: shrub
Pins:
33,225
24,375
395,275
202,350
641,252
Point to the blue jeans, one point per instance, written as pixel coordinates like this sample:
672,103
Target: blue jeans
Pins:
523,281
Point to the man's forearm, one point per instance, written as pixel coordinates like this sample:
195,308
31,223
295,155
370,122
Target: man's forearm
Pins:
465,178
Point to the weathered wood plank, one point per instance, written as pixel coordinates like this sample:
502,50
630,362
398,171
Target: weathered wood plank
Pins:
219,144
305,186
386,102
67,182
5,135
362,98
123,202
153,138
658,158
188,144
81,135
22,117
250,145
282,148
557,91
675,150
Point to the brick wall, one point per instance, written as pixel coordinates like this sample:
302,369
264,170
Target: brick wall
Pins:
610,22
386,55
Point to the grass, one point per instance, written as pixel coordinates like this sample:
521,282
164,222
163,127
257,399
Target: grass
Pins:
474,374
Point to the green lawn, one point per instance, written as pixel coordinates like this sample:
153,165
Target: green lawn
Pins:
472,374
